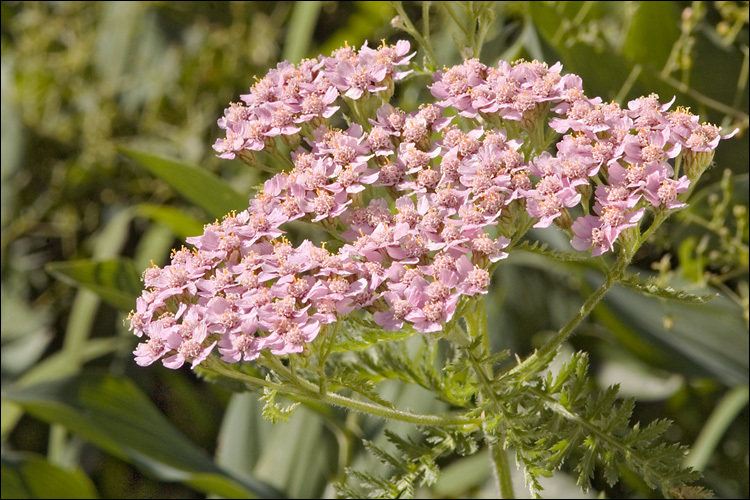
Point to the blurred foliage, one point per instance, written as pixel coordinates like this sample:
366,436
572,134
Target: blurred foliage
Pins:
100,100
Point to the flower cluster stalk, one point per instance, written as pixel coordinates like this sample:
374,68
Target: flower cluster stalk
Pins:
306,391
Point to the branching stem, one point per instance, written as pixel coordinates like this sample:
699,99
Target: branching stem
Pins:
304,390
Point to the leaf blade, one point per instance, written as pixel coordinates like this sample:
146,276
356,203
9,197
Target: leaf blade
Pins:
116,281
196,185
116,416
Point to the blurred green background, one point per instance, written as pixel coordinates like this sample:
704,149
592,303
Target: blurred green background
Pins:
92,93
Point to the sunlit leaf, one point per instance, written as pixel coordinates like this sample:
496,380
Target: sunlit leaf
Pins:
300,30
243,434
652,33
650,287
178,221
295,457
711,335
196,185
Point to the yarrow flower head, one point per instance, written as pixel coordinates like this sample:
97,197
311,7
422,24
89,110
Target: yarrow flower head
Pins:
422,208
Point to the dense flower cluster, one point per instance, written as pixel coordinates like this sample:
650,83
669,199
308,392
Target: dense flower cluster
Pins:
291,97
420,207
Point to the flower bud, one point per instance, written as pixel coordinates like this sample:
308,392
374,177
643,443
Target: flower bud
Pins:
696,162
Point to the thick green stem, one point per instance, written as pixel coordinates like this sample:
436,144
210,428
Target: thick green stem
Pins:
501,468
476,322
304,390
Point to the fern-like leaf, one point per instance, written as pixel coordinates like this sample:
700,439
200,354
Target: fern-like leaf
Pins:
558,255
358,334
360,385
591,430
651,287
273,411
415,462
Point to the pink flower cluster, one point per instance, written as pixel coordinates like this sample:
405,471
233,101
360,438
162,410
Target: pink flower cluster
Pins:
291,97
508,92
630,150
419,208
623,154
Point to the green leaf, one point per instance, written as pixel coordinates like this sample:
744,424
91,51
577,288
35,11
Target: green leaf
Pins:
273,411
296,457
602,67
196,185
700,339
359,25
300,30
113,414
118,25
652,33
461,476
181,224
358,336
650,287
362,386
726,412
32,476
243,434
540,248
37,478
116,281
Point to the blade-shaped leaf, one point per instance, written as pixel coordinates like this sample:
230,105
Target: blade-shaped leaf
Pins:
652,33
296,456
115,415
196,185
244,433
711,335
116,281
32,476
300,31
180,223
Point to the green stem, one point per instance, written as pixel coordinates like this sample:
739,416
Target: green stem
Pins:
705,100
355,109
476,322
524,225
409,28
502,471
308,392
659,218
446,6
566,331
284,160
329,339
485,18
426,22
456,335
613,276
274,363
